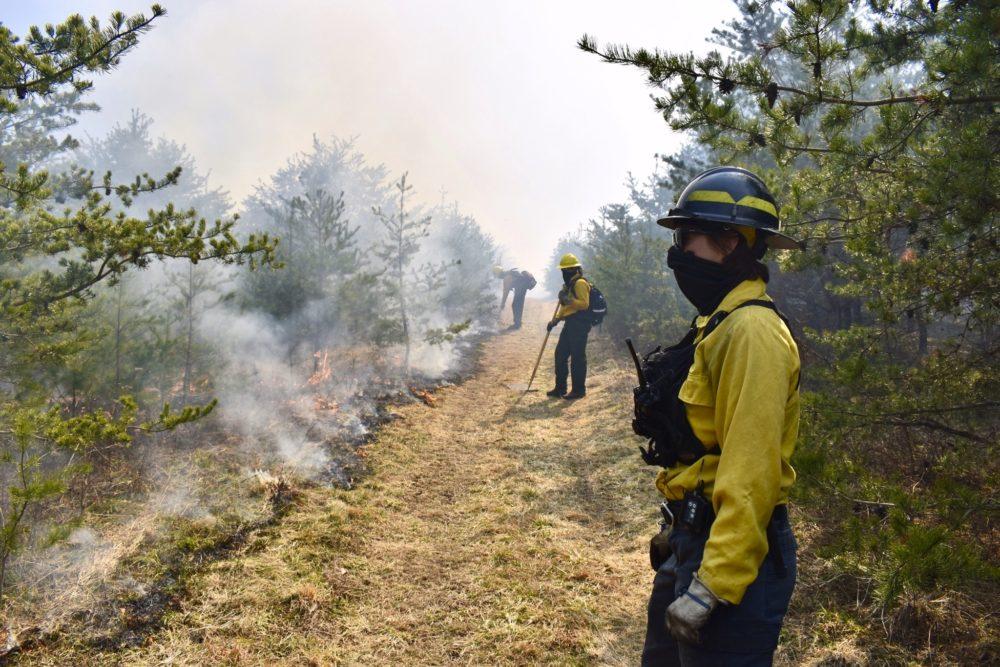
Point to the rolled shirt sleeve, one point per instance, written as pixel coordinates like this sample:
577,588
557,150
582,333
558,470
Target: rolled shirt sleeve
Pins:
754,371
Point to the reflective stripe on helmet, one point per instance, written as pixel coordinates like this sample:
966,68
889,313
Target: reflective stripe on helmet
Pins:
729,196
722,197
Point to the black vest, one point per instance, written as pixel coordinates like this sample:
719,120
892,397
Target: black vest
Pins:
660,414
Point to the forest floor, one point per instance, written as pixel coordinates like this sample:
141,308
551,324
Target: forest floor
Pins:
493,527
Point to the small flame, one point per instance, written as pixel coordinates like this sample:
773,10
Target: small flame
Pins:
424,396
323,370
324,403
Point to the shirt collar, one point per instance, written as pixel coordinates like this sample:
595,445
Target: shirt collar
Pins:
745,291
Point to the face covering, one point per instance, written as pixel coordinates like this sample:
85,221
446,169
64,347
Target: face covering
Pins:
569,274
703,282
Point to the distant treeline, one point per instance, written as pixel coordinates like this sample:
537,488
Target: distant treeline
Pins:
129,281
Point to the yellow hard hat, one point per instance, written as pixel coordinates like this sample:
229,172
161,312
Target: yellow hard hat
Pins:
497,270
569,261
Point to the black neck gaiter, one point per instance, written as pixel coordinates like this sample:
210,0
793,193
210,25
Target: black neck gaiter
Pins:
569,274
703,282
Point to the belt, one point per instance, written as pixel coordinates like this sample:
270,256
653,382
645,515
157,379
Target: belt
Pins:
675,509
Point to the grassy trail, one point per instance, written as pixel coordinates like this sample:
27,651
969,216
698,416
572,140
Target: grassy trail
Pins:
490,530
493,528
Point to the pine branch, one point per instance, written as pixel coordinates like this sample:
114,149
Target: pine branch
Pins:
663,68
106,52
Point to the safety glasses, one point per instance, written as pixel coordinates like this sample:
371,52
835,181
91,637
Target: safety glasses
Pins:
682,233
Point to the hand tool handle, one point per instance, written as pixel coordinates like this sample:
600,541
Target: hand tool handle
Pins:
541,351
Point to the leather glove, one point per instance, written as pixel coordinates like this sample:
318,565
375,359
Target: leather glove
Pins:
551,325
690,612
564,297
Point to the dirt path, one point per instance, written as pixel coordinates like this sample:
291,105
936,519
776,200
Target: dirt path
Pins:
491,530
502,543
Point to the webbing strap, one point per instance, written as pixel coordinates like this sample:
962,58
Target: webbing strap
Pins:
723,314
764,303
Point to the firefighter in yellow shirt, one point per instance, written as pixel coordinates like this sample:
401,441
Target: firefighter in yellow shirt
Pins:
571,350
722,421
519,282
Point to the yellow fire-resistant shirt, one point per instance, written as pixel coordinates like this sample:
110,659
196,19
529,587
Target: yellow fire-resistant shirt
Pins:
578,301
742,394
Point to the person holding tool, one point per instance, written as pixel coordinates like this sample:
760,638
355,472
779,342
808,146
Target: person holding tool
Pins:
574,311
721,412
520,282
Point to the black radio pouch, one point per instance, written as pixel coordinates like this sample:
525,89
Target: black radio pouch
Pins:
696,513
660,414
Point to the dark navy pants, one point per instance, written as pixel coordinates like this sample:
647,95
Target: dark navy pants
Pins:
571,352
735,635
517,305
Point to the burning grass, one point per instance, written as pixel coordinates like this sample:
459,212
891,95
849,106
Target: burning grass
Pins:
112,590
473,540
191,498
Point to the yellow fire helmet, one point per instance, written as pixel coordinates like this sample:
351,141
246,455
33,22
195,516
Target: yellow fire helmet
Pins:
497,270
569,261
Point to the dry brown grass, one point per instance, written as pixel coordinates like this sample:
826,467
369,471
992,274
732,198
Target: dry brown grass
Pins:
493,528
483,535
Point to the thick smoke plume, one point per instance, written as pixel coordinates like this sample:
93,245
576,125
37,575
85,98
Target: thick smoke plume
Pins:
304,360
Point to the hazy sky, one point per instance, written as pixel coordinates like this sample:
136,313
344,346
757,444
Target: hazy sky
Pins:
490,101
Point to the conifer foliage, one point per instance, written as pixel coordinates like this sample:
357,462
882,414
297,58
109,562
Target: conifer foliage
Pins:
403,234
625,255
61,238
368,266
94,353
876,126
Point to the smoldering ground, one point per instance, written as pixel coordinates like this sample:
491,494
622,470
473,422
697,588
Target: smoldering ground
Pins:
298,389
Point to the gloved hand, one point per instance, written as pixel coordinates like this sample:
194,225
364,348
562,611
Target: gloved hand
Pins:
551,325
564,297
689,612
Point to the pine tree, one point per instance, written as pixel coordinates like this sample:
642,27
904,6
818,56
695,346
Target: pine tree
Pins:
403,235
625,254
320,206
875,126
196,290
53,259
319,254
469,281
